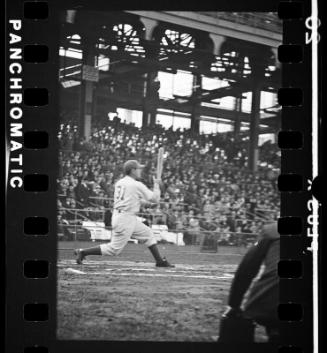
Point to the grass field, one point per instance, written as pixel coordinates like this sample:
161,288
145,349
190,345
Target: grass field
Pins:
127,298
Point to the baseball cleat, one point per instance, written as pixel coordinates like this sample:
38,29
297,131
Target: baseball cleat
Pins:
164,263
79,256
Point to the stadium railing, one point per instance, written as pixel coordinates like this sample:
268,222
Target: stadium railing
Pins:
71,228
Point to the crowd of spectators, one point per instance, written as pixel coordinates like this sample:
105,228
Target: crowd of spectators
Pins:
206,184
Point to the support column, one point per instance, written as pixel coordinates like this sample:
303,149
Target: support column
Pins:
146,118
151,99
195,117
149,26
237,123
86,91
277,62
217,41
195,123
88,109
237,127
151,86
254,128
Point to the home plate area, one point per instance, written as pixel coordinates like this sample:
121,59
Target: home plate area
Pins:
145,269
135,301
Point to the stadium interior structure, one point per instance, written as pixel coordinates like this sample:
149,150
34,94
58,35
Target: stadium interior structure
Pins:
201,84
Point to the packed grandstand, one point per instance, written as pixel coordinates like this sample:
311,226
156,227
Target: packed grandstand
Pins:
206,185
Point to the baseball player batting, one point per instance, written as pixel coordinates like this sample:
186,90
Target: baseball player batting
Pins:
128,195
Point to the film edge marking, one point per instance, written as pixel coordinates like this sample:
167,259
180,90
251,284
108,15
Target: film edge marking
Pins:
15,163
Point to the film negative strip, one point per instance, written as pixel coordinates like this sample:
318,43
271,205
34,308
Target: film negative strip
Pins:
230,93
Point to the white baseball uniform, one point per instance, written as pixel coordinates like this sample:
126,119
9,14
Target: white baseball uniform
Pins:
128,196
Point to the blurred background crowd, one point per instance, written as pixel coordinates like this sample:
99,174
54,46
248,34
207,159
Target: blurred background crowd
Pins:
206,184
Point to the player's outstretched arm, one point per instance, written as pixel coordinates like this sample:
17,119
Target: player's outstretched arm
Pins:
156,181
156,190
149,195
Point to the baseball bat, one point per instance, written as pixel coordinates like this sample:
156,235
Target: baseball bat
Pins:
160,162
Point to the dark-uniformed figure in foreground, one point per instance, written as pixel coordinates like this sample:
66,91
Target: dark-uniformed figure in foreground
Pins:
261,303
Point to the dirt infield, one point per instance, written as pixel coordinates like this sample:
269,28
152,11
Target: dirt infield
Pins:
127,298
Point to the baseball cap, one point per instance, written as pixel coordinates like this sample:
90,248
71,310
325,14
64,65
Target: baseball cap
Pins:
132,164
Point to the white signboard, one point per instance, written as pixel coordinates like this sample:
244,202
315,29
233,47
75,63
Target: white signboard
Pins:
161,233
97,230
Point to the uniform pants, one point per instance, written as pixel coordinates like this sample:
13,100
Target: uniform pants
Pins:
125,226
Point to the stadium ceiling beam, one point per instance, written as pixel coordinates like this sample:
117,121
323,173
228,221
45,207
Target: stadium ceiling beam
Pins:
132,78
234,90
132,74
221,27
272,120
262,130
145,65
206,96
153,65
202,110
137,103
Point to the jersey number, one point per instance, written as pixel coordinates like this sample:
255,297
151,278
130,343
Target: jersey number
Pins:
120,192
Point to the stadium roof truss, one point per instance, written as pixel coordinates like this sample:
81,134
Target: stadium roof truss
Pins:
131,58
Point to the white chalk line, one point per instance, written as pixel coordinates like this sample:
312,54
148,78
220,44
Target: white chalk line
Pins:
144,269
146,266
72,270
162,274
165,275
148,272
205,254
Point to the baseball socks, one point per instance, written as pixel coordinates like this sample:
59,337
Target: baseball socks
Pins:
82,253
160,261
